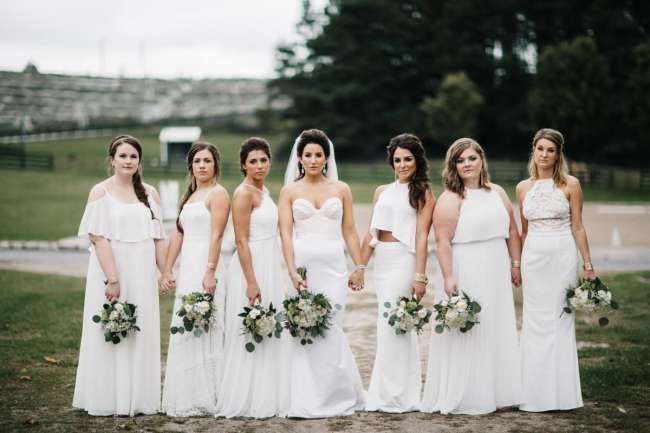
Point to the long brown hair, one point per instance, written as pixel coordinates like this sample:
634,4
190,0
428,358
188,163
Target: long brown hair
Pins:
450,176
560,168
138,187
197,146
419,182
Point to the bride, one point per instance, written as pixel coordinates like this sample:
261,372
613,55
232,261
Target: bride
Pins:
315,216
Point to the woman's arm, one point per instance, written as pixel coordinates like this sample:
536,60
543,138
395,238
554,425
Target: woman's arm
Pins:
514,240
445,218
160,244
423,226
351,238
242,206
286,234
366,248
576,200
219,206
168,282
522,188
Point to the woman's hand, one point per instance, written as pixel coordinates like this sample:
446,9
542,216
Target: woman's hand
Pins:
515,276
356,279
451,286
589,274
167,283
253,293
112,291
418,289
209,282
298,283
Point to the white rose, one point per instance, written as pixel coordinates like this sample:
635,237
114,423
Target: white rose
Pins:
461,305
119,307
253,313
451,315
454,299
422,313
444,303
402,304
266,325
400,312
114,315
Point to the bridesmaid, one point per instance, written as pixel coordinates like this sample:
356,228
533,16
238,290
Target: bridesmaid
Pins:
123,222
254,384
550,202
478,251
399,229
316,216
194,364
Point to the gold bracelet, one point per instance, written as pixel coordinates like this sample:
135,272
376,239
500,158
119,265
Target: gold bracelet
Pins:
108,282
587,266
212,266
420,278
516,264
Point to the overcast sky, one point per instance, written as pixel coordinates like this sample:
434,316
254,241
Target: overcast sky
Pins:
135,38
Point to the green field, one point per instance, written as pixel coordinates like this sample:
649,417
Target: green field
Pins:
48,204
40,316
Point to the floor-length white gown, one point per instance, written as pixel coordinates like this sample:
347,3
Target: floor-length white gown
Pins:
256,384
477,372
325,380
194,364
124,378
549,265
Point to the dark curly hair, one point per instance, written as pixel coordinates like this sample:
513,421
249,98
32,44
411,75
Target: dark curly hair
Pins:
312,136
419,182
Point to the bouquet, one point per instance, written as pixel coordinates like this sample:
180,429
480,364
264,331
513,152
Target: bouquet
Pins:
260,322
590,296
197,312
408,315
307,315
118,320
458,312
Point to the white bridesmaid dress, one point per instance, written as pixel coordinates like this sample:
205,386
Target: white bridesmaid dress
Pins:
477,372
396,381
124,378
194,364
549,265
256,384
325,380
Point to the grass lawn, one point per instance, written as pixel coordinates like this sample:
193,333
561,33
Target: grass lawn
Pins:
40,316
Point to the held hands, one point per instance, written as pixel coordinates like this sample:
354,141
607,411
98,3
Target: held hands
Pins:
356,279
253,293
209,282
112,291
167,283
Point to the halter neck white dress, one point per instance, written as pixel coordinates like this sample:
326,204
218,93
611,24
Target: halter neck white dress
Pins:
256,384
477,372
325,380
124,378
549,265
396,381
194,364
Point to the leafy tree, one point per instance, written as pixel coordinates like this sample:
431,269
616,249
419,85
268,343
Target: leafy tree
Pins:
570,94
453,112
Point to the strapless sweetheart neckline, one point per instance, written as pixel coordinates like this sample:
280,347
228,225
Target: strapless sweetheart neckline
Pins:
322,205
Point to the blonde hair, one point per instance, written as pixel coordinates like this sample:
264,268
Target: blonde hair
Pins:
560,168
450,176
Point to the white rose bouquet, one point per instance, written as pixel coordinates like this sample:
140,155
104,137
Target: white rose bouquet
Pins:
307,315
457,312
197,312
590,296
407,315
259,322
118,320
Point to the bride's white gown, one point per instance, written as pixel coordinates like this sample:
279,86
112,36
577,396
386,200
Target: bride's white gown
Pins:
325,380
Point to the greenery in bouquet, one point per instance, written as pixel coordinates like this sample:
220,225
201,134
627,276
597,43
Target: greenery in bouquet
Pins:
259,322
197,313
118,320
590,296
457,312
407,315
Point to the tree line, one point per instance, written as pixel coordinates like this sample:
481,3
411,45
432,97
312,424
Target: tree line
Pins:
496,70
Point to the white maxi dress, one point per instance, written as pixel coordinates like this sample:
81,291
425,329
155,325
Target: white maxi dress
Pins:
195,364
477,372
549,265
325,380
256,384
124,378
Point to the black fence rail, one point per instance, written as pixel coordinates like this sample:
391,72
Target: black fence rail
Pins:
18,159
